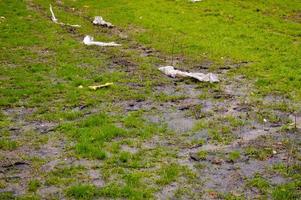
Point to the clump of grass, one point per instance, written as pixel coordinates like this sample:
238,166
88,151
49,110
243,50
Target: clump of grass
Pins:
115,191
259,153
289,191
7,196
260,183
82,191
233,156
63,175
202,155
33,185
87,150
168,174
92,133
7,144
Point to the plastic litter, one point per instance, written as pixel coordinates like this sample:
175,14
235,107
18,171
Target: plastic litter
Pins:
89,40
95,87
172,72
194,1
55,20
98,20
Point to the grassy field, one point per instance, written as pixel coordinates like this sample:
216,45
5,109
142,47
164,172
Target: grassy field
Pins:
149,136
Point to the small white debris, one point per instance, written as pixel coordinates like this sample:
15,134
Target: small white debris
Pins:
55,20
80,87
98,20
274,152
265,120
172,72
89,40
194,1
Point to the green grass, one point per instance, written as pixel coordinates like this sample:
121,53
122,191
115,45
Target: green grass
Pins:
42,64
33,185
81,191
260,183
258,153
233,156
202,155
7,144
168,174
263,33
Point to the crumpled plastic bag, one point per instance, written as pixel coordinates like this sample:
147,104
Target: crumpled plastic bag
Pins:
55,20
172,72
89,40
98,20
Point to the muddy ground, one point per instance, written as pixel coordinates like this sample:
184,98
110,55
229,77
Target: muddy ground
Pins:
208,123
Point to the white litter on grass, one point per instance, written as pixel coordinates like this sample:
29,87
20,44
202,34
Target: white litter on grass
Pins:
98,20
55,20
89,40
194,1
172,72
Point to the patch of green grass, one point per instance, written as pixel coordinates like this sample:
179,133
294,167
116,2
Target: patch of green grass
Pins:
137,125
168,174
7,144
259,153
260,183
81,191
33,185
7,196
129,192
233,30
234,156
219,130
289,191
91,134
63,175
202,155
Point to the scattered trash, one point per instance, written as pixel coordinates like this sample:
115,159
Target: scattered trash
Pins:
55,20
95,87
89,40
274,152
194,1
172,72
80,87
265,120
98,20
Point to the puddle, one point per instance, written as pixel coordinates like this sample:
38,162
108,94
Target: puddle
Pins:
129,149
179,122
96,178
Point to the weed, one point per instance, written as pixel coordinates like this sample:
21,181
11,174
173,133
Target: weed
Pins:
259,153
81,191
234,156
33,185
168,174
202,155
7,144
260,183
